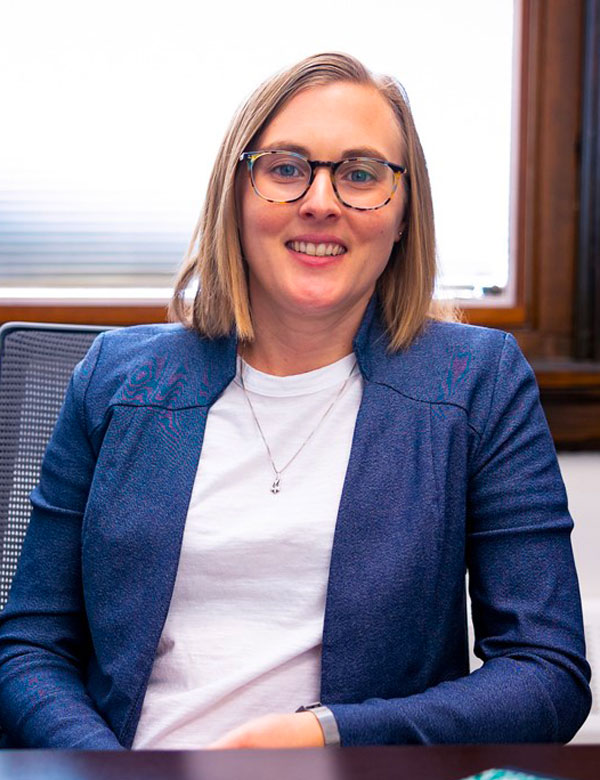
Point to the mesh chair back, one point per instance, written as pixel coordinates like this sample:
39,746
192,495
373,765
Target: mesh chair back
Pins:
36,362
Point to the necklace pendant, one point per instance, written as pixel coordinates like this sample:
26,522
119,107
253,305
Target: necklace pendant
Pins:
275,486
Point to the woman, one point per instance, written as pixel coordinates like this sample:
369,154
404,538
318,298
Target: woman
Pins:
278,504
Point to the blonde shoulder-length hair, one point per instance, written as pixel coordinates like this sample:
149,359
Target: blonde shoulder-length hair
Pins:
214,258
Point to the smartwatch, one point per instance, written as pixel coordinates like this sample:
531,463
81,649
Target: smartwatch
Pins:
326,720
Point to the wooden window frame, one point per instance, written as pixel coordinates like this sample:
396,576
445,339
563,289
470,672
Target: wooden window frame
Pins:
556,314
556,318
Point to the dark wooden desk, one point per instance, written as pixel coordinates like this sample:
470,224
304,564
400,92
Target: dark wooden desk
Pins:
580,762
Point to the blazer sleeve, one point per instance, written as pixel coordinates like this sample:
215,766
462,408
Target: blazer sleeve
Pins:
44,638
534,682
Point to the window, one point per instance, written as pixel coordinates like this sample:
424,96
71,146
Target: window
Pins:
555,311
111,148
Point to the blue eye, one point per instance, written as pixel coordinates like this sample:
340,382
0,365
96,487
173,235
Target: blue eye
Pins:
360,176
286,170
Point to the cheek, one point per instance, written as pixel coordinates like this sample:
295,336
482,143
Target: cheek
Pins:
260,222
377,229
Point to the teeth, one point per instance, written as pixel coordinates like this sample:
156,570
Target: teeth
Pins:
316,250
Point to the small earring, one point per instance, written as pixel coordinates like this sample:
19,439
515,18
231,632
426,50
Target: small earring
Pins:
400,235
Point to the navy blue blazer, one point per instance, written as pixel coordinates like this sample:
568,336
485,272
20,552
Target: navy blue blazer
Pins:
452,468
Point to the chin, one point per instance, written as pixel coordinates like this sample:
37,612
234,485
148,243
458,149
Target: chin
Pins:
321,301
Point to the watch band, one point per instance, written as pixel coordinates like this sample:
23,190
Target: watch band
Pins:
326,720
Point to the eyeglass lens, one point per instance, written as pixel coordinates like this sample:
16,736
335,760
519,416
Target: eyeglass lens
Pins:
362,183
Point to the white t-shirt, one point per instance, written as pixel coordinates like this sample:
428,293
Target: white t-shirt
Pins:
243,633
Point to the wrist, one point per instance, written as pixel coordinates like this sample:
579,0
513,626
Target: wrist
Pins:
326,720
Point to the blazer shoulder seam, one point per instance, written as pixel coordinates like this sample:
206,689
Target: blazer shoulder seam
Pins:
430,403
115,404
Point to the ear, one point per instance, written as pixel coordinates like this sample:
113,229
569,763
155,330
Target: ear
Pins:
400,232
402,224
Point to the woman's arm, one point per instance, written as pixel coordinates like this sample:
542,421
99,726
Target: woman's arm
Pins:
44,638
533,685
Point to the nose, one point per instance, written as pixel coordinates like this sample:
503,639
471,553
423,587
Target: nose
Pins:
321,201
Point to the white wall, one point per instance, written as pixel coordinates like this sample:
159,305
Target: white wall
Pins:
581,473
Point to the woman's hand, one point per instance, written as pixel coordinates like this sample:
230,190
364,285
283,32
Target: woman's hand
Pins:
295,730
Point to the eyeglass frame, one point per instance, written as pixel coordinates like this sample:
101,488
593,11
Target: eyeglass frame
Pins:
251,157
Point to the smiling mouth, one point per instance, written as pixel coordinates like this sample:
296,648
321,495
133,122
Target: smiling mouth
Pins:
316,250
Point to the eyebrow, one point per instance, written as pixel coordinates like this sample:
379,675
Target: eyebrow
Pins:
358,151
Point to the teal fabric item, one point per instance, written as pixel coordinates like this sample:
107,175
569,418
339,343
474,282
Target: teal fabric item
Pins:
452,467
506,774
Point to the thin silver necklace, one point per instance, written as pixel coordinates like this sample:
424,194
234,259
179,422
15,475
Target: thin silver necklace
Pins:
276,486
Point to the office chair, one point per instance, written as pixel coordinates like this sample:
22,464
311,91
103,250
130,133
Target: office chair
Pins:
36,361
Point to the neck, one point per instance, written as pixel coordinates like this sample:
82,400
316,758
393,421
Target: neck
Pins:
288,346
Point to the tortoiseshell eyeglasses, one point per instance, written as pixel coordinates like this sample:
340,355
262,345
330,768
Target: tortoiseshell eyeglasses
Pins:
363,183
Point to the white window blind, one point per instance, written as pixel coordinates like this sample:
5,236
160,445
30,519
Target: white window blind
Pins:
113,113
